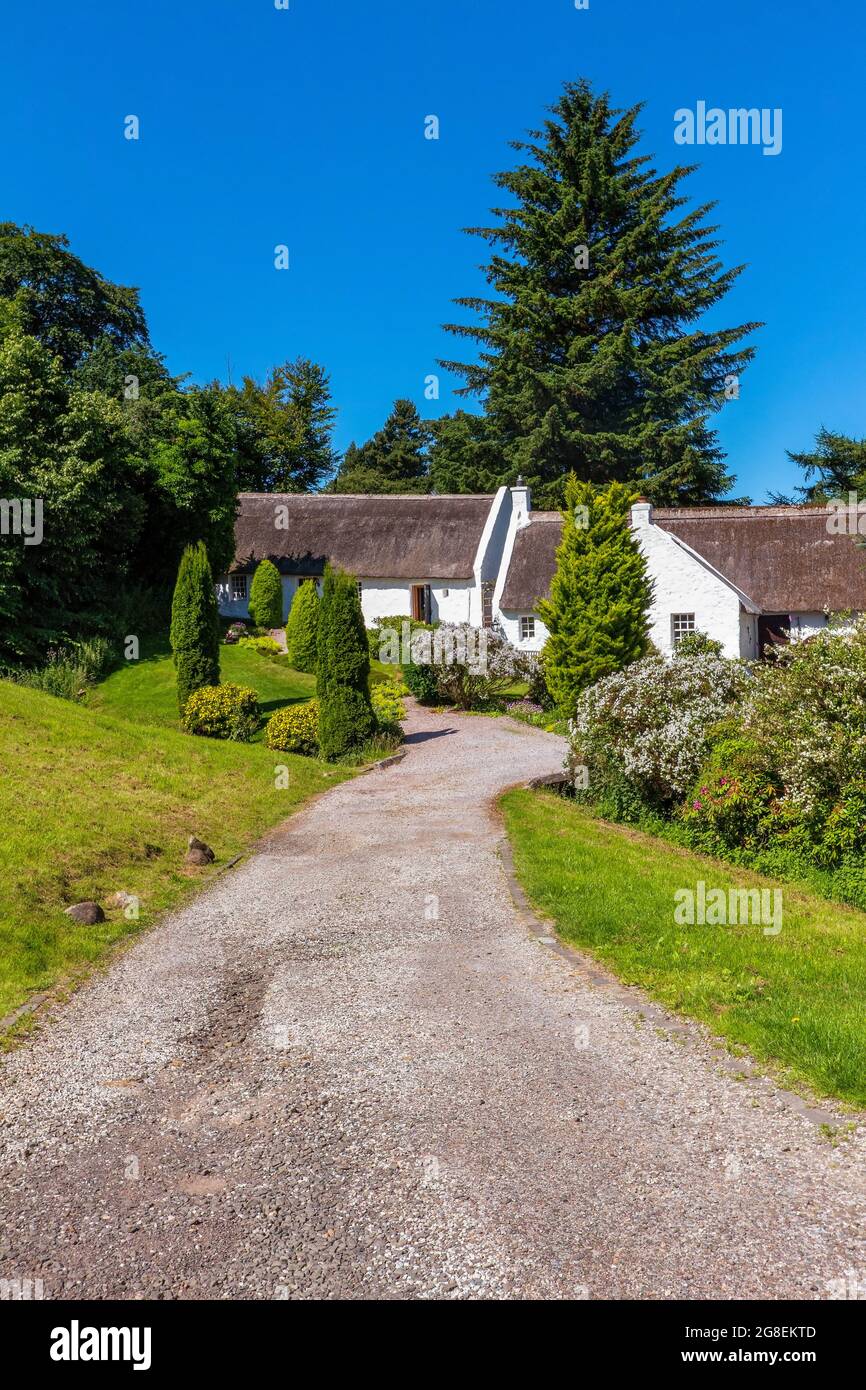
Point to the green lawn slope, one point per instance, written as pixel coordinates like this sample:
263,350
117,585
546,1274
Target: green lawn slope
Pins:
92,803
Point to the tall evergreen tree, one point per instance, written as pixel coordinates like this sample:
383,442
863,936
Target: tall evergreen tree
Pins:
394,460
836,466
346,716
591,359
597,613
195,625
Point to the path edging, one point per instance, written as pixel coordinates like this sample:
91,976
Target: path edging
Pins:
634,999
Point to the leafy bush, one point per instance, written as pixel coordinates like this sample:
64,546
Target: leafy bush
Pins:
234,632
295,729
808,707
388,706
346,717
67,672
538,692
266,645
222,711
266,596
697,644
302,629
421,682
195,625
644,732
734,802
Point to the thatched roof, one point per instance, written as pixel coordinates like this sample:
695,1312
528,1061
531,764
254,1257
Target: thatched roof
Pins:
782,558
395,537
533,563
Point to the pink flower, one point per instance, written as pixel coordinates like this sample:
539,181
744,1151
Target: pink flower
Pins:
698,805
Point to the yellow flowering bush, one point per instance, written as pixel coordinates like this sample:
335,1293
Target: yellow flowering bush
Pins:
222,711
294,729
388,707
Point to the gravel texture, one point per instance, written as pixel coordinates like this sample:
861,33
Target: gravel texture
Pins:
350,1070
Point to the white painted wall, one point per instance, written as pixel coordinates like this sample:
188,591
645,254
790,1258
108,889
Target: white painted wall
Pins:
240,608
510,624
683,584
229,607
450,601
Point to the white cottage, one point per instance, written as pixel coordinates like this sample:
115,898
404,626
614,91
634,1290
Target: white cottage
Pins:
434,558
747,576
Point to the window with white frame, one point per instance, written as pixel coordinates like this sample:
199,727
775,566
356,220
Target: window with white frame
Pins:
359,587
239,587
527,628
682,623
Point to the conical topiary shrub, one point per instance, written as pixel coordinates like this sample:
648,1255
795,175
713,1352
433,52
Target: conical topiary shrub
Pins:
195,639
302,629
266,596
346,716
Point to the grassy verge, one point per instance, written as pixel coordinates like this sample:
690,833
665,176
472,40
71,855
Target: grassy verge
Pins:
796,1001
145,691
91,804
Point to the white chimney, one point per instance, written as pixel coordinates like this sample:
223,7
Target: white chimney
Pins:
521,503
641,514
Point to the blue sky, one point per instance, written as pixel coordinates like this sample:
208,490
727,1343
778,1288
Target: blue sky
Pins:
305,126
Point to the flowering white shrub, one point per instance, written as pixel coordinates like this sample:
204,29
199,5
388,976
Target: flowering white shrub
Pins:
472,667
808,706
648,726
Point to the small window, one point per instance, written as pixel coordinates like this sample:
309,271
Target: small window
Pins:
239,588
682,623
359,587
527,629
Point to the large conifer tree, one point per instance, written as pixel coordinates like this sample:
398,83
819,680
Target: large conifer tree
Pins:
591,359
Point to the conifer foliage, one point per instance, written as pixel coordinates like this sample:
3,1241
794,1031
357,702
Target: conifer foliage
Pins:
346,717
266,596
597,613
195,625
591,360
302,629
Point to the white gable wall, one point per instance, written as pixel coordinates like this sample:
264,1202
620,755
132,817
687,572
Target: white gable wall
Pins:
682,584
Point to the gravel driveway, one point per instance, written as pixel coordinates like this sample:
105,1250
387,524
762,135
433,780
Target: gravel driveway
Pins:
348,1070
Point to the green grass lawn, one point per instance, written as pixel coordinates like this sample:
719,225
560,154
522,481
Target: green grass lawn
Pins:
145,691
796,1001
84,793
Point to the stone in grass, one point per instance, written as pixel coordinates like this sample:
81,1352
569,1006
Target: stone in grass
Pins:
89,914
199,852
